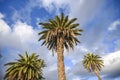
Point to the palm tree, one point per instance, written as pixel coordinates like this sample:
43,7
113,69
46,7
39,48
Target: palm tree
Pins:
60,33
92,62
28,67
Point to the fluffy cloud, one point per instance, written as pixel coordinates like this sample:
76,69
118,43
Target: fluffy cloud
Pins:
18,36
4,29
111,63
85,10
52,4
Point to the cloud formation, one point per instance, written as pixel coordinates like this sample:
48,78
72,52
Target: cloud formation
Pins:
17,36
111,65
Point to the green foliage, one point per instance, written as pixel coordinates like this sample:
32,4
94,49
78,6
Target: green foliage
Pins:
60,27
28,67
92,62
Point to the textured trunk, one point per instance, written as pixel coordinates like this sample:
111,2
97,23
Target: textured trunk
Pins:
97,74
60,58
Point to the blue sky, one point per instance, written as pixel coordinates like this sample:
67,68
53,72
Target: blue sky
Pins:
100,20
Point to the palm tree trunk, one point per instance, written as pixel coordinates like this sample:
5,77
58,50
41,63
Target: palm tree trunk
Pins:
97,74
60,58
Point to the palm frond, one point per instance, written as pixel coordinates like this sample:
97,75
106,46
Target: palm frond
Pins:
28,67
92,62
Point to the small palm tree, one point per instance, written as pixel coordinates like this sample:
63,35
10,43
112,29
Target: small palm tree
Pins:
92,62
60,33
25,68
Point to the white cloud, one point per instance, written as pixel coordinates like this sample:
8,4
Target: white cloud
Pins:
4,28
112,58
1,15
111,64
77,78
18,37
24,32
114,25
50,5
84,10
83,49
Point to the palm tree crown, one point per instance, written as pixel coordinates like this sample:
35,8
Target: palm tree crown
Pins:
92,62
60,27
26,68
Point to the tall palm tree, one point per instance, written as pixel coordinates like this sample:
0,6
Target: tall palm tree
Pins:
28,67
60,33
92,62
